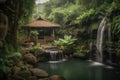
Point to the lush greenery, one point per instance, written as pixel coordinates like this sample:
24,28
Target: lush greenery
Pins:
81,51
18,13
34,33
66,44
81,18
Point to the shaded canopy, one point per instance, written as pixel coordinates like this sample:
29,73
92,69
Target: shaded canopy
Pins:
41,23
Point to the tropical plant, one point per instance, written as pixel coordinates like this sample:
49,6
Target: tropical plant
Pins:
80,51
35,49
6,58
66,43
116,28
33,33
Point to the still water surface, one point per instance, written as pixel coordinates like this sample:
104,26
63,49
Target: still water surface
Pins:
80,70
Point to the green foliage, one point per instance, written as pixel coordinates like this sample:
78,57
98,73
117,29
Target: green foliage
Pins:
34,33
65,11
79,10
8,53
94,26
118,48
18,12
4,65
84,16
80,51
116,28
36,49
65,43
27,11
23,68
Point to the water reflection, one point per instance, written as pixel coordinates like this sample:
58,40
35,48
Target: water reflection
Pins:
79,70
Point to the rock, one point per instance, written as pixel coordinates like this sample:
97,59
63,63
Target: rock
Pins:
30,58
25,50
39,72
15,69
29,66
56,77
22,75
32,78
44,79
20,63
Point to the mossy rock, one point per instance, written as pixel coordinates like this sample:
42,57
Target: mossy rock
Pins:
30,58
15,69
32,78
22,75
39,73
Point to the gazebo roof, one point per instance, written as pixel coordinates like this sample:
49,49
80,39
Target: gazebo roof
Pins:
42,23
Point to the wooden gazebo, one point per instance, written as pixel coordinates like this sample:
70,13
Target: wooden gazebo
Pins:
45,28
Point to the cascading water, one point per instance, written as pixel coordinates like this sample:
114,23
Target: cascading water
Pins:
55,56
99,43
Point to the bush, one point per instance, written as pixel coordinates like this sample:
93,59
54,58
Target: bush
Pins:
33,33
66,43
6,59
81,51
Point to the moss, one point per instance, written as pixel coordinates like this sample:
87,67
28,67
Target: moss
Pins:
95,26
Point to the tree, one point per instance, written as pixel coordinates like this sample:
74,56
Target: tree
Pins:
18,12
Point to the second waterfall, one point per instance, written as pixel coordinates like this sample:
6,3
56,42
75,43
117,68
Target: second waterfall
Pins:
99,43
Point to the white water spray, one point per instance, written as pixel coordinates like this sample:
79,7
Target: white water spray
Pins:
99,43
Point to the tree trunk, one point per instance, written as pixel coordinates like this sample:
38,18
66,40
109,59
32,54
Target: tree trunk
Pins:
12,37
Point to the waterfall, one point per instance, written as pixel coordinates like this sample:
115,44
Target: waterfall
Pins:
53,56
56,56
99,43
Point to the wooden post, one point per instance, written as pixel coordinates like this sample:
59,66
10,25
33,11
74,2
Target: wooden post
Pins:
53,35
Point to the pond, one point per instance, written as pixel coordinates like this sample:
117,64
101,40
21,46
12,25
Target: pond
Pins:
80,70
